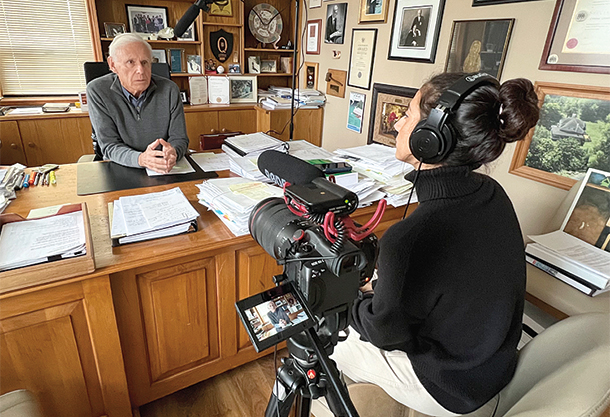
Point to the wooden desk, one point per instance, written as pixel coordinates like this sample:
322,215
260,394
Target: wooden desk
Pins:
172,299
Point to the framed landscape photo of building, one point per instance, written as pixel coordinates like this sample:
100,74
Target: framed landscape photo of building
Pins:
373,11
113,29
479,46
390,103
146,19
415,30
578,37
243,89
572,135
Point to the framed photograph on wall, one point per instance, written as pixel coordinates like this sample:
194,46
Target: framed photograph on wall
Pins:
390,103
254,64
193,64
373,11
479,46
415,30
189,34
313,4
355,113
176,59
571,136
268,65
578,38
314,27
311,74
489,2
361,58
243,89
146,19
159,55
335,23
113,29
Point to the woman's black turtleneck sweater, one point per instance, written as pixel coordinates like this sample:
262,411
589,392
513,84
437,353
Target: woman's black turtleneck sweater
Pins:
451,288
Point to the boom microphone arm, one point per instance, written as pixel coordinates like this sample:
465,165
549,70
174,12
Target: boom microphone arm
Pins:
190,16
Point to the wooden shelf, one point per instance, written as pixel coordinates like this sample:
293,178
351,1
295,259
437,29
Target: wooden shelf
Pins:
185,74
281,51
235,25
273,74
160,41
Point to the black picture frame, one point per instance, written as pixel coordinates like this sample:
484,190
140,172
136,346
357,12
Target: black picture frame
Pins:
365,56
476,3
331,30
424,49
384,97
144,27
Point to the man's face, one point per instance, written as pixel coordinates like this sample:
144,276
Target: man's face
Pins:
272,306
335,12
133,66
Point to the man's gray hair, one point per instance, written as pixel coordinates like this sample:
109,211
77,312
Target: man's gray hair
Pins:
123,39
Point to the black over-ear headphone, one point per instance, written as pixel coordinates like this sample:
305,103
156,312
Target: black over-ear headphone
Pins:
434,138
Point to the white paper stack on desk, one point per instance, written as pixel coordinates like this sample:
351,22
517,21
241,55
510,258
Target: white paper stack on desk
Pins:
31,242
150,216
232,200
252,144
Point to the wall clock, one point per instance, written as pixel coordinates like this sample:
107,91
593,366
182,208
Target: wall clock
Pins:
265,23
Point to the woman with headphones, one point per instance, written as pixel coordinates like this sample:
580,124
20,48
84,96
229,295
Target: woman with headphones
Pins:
439,329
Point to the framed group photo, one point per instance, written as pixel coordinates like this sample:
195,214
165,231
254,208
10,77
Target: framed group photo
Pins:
243,89
389,105
146,19
415,30
479,46
570,136
373,11
578,38
361,58
335,23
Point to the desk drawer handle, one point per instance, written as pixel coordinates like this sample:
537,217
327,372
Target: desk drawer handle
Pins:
212,130
14,146
31,144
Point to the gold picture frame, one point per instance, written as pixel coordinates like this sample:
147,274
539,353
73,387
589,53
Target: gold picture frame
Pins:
373,11
542,155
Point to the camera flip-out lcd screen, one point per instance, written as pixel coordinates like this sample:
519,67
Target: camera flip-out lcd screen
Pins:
274,315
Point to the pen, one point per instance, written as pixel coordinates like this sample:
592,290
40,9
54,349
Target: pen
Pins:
26,180
19,183
37,178
32,177
52,177
46,179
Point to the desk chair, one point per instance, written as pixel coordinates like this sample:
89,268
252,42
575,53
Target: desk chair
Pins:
94,70
19,403
562,372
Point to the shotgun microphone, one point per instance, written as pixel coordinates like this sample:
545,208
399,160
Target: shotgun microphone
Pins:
190,16
281,168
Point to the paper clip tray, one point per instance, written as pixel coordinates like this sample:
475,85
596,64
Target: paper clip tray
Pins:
46,272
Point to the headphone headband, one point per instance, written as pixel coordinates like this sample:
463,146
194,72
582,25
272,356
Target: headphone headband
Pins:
454,95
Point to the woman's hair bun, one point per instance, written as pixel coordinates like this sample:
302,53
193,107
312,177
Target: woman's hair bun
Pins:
519,109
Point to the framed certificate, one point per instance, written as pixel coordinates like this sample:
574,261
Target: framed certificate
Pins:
578,37
313,36
361,58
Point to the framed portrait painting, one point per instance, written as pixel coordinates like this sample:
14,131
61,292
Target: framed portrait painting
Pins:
572,135
373,11
415,30
314,27
479,46
390,104
146,19
578,37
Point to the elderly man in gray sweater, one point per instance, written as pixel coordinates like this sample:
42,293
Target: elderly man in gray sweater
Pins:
137,117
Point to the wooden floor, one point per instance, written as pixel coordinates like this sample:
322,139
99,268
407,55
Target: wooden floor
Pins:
241,392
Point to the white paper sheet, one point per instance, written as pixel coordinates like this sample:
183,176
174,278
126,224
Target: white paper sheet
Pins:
210,161
182,167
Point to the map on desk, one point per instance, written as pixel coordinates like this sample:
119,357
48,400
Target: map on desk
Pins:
106,176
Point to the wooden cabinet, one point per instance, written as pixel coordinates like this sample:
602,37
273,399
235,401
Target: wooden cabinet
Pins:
177,321
12,147
62,344
213,122
307,124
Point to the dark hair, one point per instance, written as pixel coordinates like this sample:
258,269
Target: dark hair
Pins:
483,130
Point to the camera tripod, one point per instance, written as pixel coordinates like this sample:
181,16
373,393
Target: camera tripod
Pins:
308,373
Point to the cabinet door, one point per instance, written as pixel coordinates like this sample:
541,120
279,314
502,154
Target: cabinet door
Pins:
200,123
237,121
12,149
56,140
62,344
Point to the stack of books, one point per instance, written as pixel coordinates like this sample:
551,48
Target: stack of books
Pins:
579,252
232,200
150,216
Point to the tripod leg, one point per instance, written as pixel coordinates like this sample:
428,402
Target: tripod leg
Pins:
280,402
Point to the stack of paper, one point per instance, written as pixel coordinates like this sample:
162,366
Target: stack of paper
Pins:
150,216
232,200
379,163
31,242
252,144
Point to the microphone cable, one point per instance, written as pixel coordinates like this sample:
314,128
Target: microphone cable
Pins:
412,189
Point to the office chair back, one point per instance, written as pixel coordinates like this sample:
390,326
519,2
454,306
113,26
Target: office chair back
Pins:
95,70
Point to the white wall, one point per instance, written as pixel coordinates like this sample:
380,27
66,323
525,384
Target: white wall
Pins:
534,202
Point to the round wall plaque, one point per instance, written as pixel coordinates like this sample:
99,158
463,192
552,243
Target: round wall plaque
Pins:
265,23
